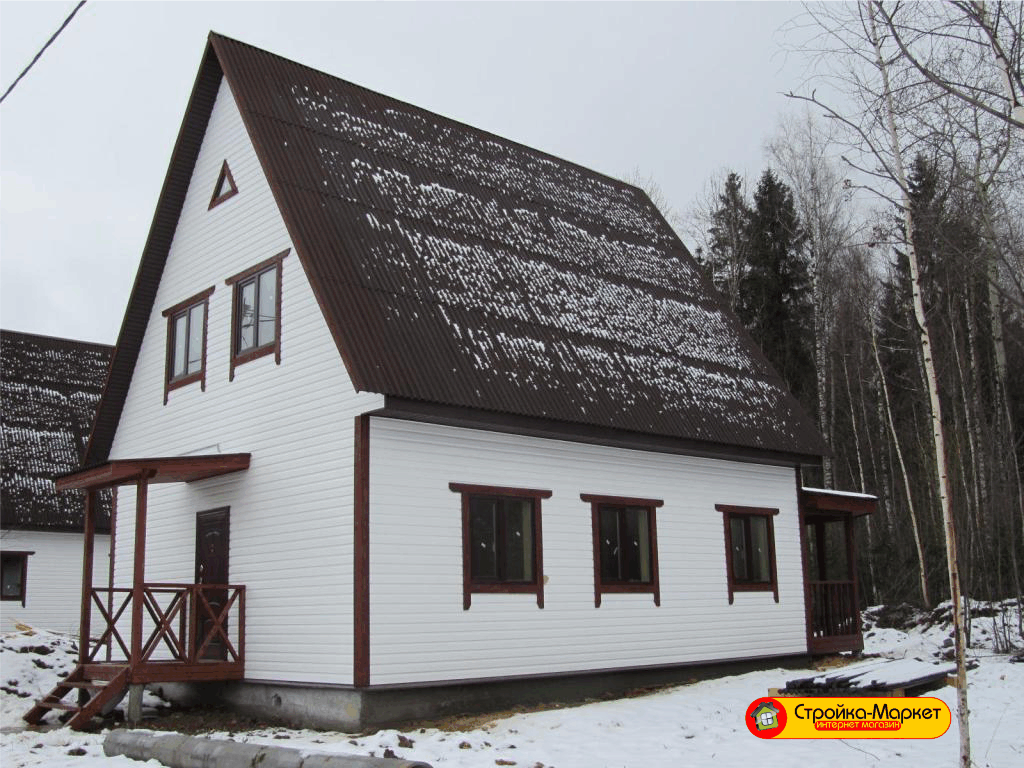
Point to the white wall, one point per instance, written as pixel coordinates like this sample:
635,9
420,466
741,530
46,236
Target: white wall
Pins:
419,631
291,512
53,599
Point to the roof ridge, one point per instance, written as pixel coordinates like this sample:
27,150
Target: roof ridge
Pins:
428,113
66,339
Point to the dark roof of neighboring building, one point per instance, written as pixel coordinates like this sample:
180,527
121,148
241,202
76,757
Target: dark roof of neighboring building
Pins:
459,268
49,390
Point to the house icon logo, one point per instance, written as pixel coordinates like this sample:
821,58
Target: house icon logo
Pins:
765,718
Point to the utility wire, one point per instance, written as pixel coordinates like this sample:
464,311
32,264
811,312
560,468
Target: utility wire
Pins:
36,57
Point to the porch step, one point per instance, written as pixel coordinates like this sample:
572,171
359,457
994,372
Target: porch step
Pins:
89,686
104,693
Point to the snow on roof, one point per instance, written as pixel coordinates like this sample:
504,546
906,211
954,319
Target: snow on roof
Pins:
842,494
459,268
49,390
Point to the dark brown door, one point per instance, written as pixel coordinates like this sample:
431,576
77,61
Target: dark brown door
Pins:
211,568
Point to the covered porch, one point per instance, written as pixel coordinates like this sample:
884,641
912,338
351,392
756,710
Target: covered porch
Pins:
148,632
830,568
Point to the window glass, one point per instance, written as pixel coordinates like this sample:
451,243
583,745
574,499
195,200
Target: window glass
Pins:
637,551
11,576
195,338
267,307
519,540
759,569
625,536
180,339
483,539
739,549
609,534
247,316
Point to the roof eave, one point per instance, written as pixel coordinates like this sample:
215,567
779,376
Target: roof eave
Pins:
154,257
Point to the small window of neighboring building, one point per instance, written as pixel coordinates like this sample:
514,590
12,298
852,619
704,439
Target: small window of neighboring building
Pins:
256,312
14,575
625,533
501,540
186,342
750,549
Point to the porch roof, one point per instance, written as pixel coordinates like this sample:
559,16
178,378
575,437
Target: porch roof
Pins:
837,502
168,469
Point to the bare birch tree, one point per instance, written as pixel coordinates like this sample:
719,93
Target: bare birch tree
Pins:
888,89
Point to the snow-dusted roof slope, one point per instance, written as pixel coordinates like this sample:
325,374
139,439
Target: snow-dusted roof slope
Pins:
49,389
458,268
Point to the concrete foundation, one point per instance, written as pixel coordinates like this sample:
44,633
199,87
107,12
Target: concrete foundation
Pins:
353,710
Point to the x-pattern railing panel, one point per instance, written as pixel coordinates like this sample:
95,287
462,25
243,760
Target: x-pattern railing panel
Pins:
110,617
218,624
201,623
162,618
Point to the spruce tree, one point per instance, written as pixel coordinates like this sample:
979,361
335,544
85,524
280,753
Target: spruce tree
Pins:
775,294
728,249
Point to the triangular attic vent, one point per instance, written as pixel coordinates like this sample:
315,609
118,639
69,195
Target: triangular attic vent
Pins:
225,186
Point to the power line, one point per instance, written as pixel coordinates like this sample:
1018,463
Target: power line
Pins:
36,57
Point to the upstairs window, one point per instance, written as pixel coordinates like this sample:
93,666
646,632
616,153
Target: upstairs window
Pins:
256,312
186,342
13,575
225,187
625,545
501,540
750,549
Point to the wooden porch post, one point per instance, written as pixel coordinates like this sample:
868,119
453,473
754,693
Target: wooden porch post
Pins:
139,570
89,539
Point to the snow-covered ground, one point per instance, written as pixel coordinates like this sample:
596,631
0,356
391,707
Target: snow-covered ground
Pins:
690,724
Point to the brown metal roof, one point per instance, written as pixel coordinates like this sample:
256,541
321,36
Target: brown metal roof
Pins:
460,268
839,503
49,389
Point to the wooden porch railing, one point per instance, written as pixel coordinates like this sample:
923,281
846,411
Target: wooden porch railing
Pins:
833,609
184,623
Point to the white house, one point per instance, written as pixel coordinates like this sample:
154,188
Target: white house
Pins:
413,417
49,389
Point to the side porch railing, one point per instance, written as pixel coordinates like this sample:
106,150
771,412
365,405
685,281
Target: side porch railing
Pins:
187,624
833,610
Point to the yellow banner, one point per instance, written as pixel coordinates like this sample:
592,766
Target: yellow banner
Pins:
848,717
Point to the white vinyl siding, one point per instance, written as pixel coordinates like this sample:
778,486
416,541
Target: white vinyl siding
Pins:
419,631
53,595
291,511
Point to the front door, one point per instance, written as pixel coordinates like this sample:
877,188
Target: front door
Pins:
211,568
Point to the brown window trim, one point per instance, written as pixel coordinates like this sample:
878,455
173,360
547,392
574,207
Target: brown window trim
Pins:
728,512
468,585
24,555
203,297
225,175
266,349
601,587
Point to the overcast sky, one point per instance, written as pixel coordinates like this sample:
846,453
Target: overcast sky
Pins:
677,90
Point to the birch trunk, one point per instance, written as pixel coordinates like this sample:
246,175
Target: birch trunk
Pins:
963,712
915,526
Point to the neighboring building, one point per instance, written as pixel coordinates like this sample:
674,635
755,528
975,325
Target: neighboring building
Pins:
49,389
415,417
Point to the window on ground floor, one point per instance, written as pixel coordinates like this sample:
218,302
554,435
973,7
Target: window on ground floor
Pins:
625,537
14,575
750,549
501,540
